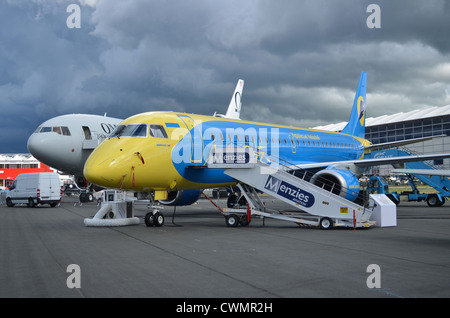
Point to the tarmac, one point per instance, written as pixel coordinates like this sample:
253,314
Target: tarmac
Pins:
49,253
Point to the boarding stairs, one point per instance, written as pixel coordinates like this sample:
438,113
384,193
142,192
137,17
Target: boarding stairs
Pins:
323,208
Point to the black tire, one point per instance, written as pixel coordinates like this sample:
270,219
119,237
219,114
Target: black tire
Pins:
433,200
158,219
243,220
31,203
326,223
9,203
149,219
232,220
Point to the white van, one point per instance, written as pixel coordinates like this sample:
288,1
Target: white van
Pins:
35,188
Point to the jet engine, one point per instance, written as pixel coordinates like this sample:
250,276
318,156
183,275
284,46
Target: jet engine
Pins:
181,197
338,181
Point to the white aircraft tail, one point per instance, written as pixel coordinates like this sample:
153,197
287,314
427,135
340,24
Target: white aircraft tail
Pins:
234,108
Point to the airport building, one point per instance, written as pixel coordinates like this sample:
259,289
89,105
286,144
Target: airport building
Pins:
11,165
429,122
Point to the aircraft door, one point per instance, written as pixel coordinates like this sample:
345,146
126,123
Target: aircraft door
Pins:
195,132
87,133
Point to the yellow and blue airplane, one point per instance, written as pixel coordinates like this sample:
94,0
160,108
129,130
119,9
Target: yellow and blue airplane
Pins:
167,152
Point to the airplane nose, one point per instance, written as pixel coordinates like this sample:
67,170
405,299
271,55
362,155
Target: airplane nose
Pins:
100,171
38,147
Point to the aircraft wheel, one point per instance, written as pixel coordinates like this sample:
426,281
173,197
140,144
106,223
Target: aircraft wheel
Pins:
326,223
149,219
232,220
158,219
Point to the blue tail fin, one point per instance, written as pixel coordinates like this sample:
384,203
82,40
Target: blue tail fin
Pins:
357,123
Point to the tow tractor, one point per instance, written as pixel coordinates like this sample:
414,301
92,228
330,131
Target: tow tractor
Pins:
377,184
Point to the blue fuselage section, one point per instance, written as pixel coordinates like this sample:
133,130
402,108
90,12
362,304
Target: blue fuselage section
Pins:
291,146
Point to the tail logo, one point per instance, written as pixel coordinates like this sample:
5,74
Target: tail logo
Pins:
361,110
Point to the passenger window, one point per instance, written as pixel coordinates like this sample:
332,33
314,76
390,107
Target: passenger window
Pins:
157,131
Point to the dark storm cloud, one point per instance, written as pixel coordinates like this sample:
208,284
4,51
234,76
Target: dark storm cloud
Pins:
300,60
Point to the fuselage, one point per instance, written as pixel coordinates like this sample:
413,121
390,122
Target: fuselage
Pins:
65,142
169,150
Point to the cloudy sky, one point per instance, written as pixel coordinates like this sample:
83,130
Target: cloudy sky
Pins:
300,59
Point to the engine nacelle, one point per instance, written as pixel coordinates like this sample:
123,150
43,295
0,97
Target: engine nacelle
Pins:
338,181
181,197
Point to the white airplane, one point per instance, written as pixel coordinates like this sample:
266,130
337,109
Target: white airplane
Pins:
65,142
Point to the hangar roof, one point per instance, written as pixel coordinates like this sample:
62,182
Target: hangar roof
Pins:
395,118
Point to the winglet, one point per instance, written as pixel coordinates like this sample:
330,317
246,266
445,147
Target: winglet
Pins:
357,123
234,109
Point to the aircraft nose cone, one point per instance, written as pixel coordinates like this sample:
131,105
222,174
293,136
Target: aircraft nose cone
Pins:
98,171
37,147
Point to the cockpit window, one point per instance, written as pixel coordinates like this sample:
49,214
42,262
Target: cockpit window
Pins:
136,130
158,131
60,130
45,129
65,131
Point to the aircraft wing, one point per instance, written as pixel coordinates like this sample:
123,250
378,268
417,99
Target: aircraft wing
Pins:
389,145
428,172
397,162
